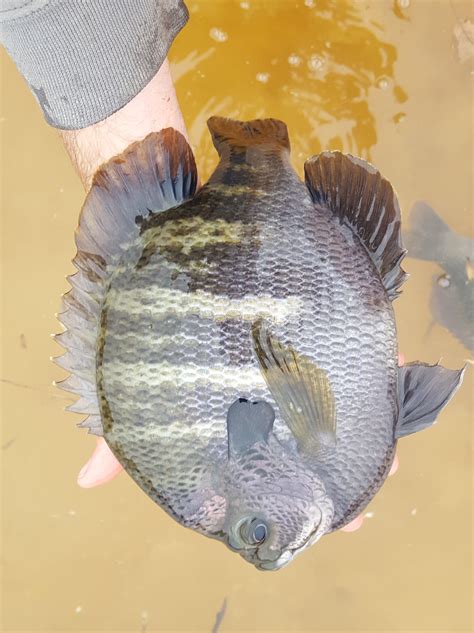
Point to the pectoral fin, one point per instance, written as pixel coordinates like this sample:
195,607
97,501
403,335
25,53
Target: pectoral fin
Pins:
248,423
423,390
302,391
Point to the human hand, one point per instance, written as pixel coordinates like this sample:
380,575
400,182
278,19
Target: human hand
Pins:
101,467
154,108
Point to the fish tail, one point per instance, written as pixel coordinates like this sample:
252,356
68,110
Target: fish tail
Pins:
150,176
426,229
229,134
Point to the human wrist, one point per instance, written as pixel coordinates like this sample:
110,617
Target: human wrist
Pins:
154,108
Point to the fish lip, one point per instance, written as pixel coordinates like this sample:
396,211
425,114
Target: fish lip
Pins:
283,559
278,563
266,564
251,556
230,545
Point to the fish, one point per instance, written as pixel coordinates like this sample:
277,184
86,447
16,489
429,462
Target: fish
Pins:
429,238
236,345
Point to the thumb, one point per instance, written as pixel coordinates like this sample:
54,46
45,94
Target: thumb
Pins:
101,468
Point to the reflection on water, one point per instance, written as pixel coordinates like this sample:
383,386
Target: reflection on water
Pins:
220,617
452,297
108,559
399,8
318,74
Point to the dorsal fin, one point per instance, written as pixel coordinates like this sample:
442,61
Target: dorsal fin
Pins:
359,196
232,134
151,175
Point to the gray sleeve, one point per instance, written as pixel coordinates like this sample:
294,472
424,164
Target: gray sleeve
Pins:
86,59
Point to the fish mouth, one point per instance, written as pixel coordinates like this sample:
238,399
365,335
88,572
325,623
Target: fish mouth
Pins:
268,564
251,555
254,555
281,560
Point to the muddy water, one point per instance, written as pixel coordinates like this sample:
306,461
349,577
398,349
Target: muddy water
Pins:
373,78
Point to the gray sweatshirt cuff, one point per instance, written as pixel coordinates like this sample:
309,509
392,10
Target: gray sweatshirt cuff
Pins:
86,59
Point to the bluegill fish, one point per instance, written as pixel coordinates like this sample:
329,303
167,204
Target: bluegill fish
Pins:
236,347
452,297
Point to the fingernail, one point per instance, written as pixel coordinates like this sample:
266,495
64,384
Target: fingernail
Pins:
354,524
394,466
83,471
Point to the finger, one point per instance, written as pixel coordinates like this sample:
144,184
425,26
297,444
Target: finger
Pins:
401,359
354,524
394,467
101,468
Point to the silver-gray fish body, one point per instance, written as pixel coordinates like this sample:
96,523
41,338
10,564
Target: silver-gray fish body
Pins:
177,346
237,348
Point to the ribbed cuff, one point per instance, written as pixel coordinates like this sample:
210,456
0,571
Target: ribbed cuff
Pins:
86,59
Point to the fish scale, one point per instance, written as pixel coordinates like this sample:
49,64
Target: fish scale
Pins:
283,261
241,350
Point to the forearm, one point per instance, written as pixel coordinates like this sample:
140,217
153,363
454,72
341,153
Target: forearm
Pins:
154,108
84,60
97,69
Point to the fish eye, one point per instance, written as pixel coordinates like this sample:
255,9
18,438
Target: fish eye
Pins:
254,532
260,533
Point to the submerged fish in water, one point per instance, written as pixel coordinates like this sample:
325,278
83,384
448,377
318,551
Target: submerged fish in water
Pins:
237,347
452,296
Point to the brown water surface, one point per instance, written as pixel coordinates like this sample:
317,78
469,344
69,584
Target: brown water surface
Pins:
374,78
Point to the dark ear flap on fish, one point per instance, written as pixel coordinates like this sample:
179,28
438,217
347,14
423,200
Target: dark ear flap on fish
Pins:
151,175
248,423
361,198
302,391
230,134
423,390
426,230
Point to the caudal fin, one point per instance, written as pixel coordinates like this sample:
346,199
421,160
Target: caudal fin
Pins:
231,134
